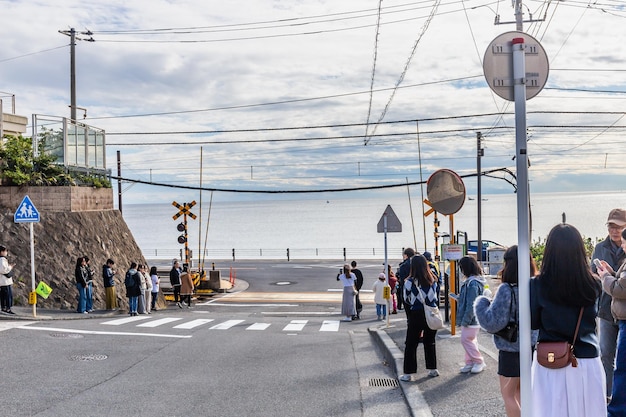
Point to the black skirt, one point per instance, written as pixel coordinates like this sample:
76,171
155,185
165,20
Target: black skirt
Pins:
508,364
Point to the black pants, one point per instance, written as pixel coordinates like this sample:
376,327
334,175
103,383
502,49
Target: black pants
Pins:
6,297
416,323
176,289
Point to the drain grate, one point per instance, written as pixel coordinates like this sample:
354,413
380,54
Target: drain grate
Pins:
66,335
88,358
383,382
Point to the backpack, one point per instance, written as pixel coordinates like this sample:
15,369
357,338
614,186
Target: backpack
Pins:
129,281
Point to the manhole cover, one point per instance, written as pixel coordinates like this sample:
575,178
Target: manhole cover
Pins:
88,358
66,335
383,382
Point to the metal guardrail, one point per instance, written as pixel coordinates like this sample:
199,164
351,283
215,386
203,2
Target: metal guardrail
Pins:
275,253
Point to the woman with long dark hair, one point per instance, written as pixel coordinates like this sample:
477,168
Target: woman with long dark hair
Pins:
494,316
420,285
82,275
564,286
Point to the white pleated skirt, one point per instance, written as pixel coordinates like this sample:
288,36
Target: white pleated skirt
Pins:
569,391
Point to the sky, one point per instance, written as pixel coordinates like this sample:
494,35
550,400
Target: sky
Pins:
310,95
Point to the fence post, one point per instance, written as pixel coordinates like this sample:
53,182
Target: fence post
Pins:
344,254
287,254
233,254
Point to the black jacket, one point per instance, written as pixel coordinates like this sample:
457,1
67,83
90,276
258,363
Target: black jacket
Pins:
604,252
175,277
557,322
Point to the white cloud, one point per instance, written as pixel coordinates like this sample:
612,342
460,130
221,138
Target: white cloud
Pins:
298,52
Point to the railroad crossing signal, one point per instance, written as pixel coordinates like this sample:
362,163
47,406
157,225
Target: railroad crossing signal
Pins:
184,210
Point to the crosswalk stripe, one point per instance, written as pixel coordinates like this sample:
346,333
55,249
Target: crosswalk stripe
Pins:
226,325
125,320
258,326
159,322
295,325
193,323
330,326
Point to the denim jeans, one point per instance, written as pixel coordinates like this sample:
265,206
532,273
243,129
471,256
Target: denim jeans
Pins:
132,304
82,298
155,295
381,310
89,297
608,343
618,402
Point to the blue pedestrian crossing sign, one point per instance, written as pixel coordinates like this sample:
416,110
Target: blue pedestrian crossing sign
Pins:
26,212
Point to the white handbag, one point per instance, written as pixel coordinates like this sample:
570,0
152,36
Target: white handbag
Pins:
433,315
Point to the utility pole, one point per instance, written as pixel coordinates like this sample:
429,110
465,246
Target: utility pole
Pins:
73,38
480,152
519,17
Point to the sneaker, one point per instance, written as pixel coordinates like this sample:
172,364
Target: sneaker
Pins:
433,373
85,312
405,377
179,305
9,312
478,368
183,303
467,368
394,312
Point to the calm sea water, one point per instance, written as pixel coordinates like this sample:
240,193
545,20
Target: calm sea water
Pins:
322,228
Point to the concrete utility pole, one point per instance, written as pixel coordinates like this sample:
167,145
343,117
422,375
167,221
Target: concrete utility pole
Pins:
480,152
73,38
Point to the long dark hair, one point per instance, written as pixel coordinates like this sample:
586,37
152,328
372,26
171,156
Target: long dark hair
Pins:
509,271
469,266
153,270
421,272
565,269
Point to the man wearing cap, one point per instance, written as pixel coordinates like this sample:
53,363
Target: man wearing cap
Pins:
609,250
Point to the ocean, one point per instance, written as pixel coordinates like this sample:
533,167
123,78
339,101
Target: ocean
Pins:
322,228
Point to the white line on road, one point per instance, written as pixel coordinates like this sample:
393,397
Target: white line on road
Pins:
56,329
295,326
125,320
226,325
258,326
6,325
159,322
249,305
193,323
330,326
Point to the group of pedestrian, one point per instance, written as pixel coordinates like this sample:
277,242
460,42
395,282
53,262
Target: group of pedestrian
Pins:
142,288
574,301
567,296
182,285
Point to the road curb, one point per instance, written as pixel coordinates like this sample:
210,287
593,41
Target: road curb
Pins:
394,356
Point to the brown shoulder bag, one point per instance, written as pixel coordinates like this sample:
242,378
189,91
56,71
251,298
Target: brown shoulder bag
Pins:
555,355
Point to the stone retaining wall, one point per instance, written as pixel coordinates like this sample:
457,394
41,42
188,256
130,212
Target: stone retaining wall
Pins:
58,199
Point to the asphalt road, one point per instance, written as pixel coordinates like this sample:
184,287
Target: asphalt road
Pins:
283,354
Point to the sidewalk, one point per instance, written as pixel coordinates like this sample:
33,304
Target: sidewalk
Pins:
451,393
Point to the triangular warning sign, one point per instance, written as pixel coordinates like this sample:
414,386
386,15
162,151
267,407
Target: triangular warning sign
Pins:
393,223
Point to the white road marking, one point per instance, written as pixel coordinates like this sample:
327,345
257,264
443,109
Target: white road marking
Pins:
249,305
159,322
258,326
330,326
193,323
226,325
295,326
56,329
125,320
6,325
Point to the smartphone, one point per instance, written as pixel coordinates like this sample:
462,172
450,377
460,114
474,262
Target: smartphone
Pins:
598,264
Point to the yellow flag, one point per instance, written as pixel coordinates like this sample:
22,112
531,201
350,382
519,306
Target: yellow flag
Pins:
43,289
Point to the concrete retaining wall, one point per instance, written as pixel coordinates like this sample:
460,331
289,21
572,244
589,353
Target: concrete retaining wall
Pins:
58,199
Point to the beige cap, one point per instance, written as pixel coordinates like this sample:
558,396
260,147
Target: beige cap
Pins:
617,216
